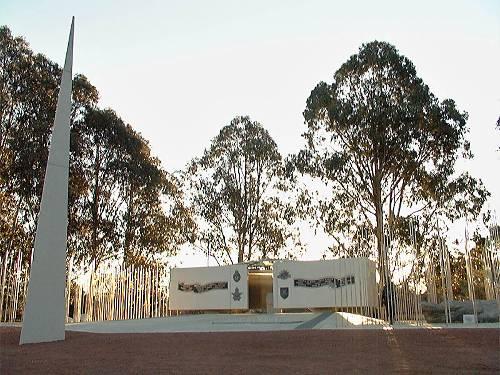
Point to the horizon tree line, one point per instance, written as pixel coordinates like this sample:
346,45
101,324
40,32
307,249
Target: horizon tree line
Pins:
381,143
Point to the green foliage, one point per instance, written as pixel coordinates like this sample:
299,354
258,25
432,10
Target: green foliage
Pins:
27,107
459,281
458,268
124,195
121,202
385,146
382,143
239,195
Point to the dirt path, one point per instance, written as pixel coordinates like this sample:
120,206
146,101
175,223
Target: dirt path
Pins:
280,352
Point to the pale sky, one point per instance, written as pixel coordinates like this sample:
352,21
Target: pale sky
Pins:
178,71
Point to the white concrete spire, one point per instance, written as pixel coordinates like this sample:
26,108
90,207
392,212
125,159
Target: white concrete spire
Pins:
44,314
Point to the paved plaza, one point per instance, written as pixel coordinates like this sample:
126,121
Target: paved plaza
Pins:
255,323
230,323
286,350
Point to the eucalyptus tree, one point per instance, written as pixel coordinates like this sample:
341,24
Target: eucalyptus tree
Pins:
28,95
385,145
240,197
127,207
458,265
97,208
120,198
155,220
27,99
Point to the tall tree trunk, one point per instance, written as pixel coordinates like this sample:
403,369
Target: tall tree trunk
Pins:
241,249
379,230
12,233
95,206
129,229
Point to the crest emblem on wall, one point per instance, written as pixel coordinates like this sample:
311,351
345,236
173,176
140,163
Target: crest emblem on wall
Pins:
236,276
236,295
284,293
283,275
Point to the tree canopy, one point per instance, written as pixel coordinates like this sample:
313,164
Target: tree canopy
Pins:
122,203
238,193
386,146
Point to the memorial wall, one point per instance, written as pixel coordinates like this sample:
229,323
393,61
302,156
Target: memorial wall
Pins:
209,288
295,285
347,282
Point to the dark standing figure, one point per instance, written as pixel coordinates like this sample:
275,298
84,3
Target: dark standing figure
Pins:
388,301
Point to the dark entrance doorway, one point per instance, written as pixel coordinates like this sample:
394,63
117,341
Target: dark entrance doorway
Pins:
260,290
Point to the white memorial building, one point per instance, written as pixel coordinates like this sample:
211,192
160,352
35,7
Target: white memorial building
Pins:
275,285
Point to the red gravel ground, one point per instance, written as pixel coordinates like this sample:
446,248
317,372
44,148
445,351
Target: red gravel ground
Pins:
422,351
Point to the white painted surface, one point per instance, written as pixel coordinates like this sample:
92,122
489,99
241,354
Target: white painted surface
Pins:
215,299
44,315
251,322
248,322
361,293
199,323
469,319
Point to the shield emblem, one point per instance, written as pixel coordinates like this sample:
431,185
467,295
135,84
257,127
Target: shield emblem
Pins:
284,293
236,276
284,274
236,295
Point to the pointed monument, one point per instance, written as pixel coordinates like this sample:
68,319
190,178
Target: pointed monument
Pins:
44,314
